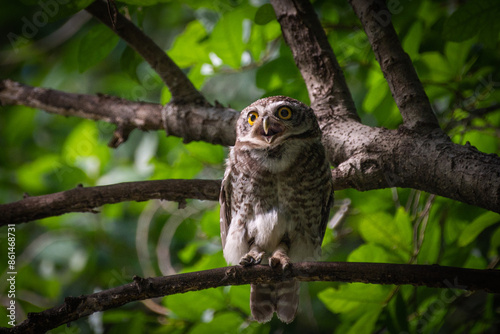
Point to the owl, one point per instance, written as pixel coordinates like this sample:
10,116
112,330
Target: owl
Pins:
275,198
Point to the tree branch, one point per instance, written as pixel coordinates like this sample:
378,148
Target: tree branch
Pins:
396,65
142,115
434,276
82,199
431,162
315,59
177,82
216,125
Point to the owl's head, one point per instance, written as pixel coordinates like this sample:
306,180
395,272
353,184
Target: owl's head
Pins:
273,120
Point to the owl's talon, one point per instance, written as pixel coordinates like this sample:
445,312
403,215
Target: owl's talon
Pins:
251,259
282,260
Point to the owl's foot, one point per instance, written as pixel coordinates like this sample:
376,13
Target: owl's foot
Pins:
280,255
280,258
252,258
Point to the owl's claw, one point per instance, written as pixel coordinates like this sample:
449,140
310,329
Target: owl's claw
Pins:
251,258
280,259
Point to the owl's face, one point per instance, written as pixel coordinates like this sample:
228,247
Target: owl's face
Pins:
274,120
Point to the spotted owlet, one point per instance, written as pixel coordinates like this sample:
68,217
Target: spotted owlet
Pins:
275,198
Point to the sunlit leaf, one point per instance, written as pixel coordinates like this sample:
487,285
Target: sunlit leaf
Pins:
392,233
32,176
190,47
227,38
477,226
377,90
354,299
431,245
370,253
412,40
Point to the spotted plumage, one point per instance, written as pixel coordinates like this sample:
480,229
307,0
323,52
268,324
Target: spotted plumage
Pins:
275,198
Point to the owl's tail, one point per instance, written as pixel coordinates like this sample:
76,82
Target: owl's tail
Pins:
282,298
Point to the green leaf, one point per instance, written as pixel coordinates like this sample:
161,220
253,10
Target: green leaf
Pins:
190,47
369,253
483,140
377,90
477,226
393,233
95,46
192,305
456,55
205,152
228,322
354,298
82,142
399,312
495,242
226,39
429,251
129,62
264,14
366,323
31,177
210,222
471,18
239,296
438,68
413,38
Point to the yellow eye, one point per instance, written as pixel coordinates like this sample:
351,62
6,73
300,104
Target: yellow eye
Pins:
285,113
252,117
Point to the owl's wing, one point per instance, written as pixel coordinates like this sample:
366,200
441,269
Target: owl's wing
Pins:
325,211
225,207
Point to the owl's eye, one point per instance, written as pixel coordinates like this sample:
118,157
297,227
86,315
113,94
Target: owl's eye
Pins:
285,113
252,117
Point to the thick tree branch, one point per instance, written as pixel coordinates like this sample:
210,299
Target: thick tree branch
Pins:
142,115
216,125
396,65
178,83
75,308
367,158
315,59
82,199
430,162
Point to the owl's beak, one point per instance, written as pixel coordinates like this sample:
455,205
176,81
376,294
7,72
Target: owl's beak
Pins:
270,130
265,124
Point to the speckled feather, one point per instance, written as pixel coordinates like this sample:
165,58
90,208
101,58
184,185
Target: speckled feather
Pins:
276,196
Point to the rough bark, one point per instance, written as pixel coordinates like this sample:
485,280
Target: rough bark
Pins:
75,308
215,125
315,59
82,199
396,65
111,109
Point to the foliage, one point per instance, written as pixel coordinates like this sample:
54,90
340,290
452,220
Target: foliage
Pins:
233,51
